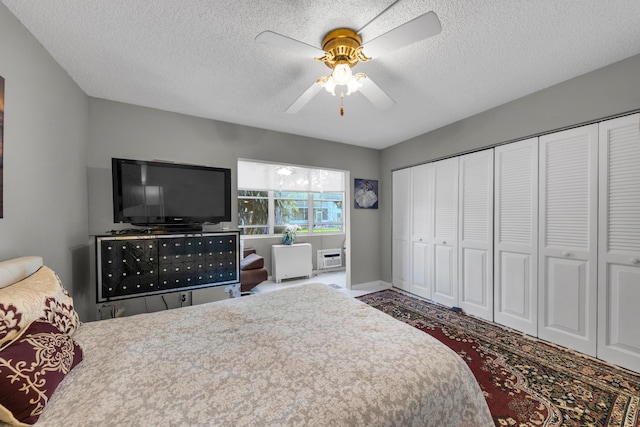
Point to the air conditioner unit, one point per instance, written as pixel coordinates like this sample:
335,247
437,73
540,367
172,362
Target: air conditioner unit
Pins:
329,258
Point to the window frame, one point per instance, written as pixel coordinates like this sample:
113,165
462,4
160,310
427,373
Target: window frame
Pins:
311,222
268,225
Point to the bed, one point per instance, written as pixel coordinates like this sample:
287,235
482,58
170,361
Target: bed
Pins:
305,355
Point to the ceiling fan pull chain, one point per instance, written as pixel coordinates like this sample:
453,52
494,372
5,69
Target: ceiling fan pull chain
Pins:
341,103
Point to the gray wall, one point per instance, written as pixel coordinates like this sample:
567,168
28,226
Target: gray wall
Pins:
57,149
58,144
45,176
605,92
123,130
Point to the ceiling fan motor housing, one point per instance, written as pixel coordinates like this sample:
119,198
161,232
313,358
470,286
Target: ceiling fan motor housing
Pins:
342,45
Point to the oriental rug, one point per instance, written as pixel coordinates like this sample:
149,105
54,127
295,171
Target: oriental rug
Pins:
526,381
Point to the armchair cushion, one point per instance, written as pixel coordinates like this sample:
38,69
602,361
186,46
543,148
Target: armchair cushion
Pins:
252,262
252,271
248,251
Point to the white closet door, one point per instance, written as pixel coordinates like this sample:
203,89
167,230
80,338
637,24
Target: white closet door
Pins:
516,236
619,242
475,272
401,223
421,220
420,269
445,232
568,238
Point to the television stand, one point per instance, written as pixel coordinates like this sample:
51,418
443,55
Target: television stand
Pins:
132,266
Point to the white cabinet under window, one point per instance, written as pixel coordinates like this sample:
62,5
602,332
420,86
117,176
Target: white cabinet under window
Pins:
475,243
289,261
401,234
516,235
619,242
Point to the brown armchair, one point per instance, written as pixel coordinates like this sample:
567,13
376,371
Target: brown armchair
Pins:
252,271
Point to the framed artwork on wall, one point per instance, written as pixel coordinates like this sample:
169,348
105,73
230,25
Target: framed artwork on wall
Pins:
365,194
1,144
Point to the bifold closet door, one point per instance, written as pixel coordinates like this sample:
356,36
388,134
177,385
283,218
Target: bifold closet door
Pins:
421,220
619,242
401,234
567,277
516,236
444,246
475,208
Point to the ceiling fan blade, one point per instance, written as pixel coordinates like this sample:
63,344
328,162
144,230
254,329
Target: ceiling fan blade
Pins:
420,28
376,17
303,99
287,43
376,95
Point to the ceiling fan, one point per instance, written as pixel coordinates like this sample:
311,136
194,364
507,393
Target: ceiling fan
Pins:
342,49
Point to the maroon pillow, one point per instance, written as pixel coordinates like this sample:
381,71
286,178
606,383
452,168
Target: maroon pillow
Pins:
31,367
251,262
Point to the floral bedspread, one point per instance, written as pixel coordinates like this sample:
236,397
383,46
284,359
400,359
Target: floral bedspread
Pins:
306,355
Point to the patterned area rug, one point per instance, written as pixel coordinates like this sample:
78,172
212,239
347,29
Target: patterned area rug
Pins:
527,382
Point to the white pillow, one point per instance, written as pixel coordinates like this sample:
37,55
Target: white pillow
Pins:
14,270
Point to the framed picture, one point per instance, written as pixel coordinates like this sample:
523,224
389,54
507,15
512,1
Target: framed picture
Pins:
365,194
1,144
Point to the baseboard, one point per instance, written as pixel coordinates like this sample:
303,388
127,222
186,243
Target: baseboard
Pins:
376,284
330,270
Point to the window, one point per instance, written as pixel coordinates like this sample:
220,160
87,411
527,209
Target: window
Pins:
327,212
291,208
253,212
272,196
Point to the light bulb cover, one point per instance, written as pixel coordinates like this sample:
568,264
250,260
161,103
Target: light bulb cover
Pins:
353,85
329,84
342,73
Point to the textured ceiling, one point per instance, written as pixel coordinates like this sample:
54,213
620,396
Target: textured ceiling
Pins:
199,57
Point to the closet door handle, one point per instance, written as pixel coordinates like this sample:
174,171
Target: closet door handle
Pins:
635,261
566,254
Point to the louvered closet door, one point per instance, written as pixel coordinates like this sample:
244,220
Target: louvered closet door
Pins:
445,232
568,238
619,243
400,248
421,220
475,272
516,236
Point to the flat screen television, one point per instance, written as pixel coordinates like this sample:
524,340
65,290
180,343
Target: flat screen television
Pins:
153,193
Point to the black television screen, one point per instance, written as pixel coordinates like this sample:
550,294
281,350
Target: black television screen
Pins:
159,193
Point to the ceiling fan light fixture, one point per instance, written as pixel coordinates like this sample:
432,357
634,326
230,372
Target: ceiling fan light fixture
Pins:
329,84
342,45
284,171
354,83
342,50
342,73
